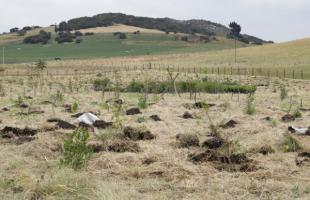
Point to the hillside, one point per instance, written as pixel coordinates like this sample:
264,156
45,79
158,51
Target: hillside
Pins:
290,56
285,55
120,28
164,24
104,45
14,37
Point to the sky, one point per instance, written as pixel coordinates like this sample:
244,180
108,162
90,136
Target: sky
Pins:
277,20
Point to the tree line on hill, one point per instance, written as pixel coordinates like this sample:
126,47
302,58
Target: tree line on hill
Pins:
196,30
23,31
163,24
167,25
43,37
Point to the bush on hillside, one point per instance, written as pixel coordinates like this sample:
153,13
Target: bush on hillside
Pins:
14,30
89,33
27,28
65,37
122,36
78,33
22,32
43,37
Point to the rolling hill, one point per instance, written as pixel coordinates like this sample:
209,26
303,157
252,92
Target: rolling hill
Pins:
192,26
290,56
104,45
157,36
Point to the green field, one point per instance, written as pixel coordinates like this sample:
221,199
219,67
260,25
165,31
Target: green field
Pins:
104,45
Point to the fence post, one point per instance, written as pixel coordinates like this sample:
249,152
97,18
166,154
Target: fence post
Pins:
218,70
284,73
231,71
302,74
293,74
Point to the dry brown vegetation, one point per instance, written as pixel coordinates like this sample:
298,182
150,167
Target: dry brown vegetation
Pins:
252,163
120,28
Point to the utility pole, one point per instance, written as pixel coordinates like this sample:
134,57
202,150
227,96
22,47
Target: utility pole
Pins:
235,50
3,55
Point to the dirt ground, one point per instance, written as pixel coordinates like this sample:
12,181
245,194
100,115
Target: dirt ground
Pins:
161,170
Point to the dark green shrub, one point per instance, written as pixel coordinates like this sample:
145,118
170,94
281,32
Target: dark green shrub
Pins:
78,41
89,33
283,92
78,33
249,106
101,84
122,36
190,86
297,113
142,103
65,37
43,37
290,144
76,152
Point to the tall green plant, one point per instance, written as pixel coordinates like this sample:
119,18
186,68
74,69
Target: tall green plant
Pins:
249,106
283,93
76,152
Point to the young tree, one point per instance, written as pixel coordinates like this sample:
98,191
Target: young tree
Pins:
41,65
235,30
63,26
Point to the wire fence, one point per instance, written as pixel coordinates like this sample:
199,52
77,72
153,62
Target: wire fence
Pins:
264,72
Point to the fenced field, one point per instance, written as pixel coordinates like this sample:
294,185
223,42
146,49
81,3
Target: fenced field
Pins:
163,134
172,126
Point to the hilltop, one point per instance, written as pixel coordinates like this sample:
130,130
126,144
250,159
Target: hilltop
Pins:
192,26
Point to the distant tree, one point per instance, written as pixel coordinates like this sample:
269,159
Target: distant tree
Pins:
22,32
78,33
122,36
78,41
41,65
65,37
235,30
89,33
27,28
14,30
63,26
43,37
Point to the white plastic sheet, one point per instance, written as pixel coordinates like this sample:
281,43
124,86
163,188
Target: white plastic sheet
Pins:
299,131
87,118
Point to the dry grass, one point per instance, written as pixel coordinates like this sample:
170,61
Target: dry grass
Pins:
32,169
289,56
14,37
120,28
